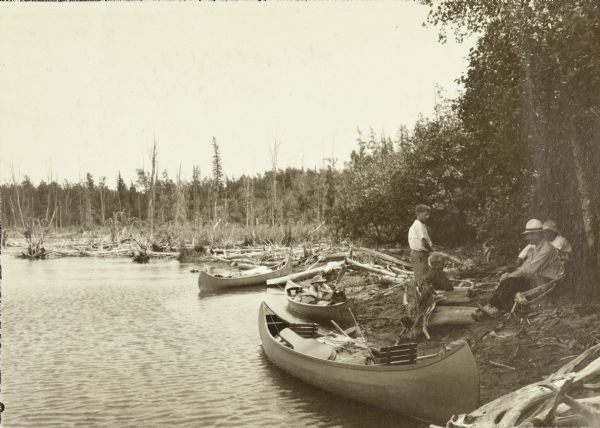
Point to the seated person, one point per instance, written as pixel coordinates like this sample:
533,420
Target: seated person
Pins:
539,267
435,276
338,296
553,236
525,254
559,242
319,289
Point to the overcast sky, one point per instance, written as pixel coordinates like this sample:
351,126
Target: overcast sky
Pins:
86,87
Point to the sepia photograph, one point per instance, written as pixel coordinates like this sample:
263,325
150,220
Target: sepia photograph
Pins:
298,214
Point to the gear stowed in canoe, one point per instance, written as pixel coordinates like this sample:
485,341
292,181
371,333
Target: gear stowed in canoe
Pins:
431,388
325,307
207,281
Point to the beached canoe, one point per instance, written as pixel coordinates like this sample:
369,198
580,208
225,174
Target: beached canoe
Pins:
207,281
338,312
431,389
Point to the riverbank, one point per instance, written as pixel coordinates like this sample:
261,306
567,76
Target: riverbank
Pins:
511,352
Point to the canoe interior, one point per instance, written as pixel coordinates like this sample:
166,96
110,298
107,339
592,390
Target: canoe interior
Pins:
275,324
338,312
207,281
430,389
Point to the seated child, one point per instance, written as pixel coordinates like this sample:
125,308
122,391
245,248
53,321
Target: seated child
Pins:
436,276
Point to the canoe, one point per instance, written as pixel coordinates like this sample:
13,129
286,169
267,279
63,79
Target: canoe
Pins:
207,281
338,312
431,389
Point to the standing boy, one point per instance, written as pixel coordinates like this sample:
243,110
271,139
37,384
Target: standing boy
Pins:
419,242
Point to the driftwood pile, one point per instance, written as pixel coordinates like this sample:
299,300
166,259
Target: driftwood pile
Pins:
35,233
126,237
387,275
568,397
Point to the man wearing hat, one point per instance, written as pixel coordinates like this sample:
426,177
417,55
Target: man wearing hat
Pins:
540,266
319,289
553,236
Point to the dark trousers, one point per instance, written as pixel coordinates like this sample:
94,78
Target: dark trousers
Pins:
504,295
419,264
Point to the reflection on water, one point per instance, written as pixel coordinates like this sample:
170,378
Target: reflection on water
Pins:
107,342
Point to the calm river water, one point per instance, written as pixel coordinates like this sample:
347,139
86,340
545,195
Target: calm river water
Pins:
107,342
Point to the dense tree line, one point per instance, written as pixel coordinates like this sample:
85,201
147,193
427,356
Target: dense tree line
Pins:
532,108
520,142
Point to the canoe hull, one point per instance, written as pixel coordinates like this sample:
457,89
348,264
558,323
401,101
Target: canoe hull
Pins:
209,282
431,390
339,312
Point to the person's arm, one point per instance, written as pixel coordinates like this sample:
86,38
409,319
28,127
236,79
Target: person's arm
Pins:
425,239
536,262
426,245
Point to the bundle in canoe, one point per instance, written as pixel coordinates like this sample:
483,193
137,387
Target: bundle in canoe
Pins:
207,281
428,388
322,310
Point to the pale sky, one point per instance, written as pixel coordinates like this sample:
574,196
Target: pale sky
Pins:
86,87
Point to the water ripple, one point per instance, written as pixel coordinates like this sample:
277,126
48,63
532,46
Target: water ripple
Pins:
105,342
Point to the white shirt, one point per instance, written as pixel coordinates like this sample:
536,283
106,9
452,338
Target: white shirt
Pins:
543,262
560,243
416,234
526,252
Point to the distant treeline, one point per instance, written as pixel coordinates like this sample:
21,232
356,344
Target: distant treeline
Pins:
301,198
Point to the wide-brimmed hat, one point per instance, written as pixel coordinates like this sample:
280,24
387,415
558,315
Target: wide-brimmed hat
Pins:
550,225
533,226
318,278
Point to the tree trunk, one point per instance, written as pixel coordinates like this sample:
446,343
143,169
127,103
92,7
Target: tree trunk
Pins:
12,208
586,196
102,205
18,200
152,180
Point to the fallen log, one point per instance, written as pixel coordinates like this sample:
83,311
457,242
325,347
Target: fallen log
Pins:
389,280
239,260
335,257
542,403
306,274
368,268
384,256
245,256
162,254
454,259
503,366
244,266
270,264
401,271
452,315
451,301
454,297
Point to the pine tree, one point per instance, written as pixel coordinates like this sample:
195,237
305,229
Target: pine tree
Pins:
89,189
151,200
102,189
122,194
217,174
330,190
194,208
180,209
